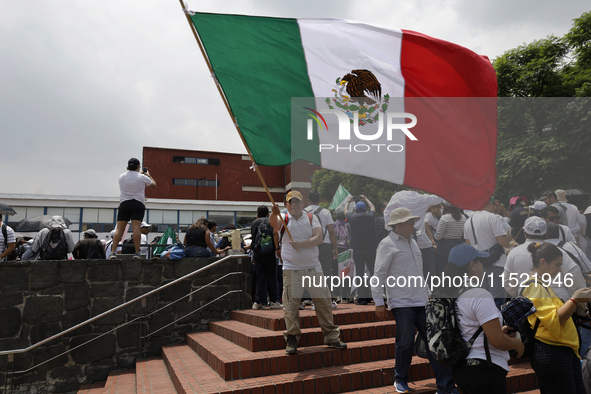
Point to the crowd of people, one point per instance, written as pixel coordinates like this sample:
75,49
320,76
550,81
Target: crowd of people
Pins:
416,234
535,252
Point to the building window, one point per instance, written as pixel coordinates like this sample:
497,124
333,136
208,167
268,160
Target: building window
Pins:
195,160
194,182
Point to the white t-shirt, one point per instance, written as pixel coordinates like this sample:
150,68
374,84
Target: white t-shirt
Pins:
10,238
325,219
476,307
300,230
132,185
488,227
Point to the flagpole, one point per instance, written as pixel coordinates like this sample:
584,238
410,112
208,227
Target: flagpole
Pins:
220,90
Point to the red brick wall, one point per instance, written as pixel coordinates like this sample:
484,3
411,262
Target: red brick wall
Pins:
232,174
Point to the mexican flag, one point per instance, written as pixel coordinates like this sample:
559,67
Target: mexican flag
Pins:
346,266
339,94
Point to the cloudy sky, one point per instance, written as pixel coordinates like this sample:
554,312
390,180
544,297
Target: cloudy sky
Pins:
84,85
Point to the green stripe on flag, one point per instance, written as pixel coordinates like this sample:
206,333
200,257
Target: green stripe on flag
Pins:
260,65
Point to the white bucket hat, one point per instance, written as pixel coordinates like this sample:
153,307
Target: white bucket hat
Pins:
401,215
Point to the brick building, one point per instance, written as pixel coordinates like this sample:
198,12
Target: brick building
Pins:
205,175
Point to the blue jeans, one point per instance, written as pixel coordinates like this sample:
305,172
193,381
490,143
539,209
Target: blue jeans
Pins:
197,251
407,319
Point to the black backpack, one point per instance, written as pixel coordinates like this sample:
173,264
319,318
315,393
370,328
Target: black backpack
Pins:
96,251
263,240
55,246
444,337
14,254
127,246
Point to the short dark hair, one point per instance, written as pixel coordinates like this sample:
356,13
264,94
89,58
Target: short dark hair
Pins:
547,209
133,164
211,223
553,230
262,211
552,195
341,215
313,196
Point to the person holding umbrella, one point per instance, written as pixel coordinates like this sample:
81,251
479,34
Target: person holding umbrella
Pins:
132,206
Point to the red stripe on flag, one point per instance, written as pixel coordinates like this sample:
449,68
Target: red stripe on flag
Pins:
456,129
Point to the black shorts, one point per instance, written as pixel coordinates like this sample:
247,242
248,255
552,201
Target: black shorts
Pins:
131,209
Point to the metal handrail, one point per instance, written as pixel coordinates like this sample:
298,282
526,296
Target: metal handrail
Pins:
17,351
123,325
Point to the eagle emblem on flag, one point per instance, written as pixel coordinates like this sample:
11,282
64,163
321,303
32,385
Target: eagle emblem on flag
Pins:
356,84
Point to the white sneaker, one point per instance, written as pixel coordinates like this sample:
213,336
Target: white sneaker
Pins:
313,306
257,306
275,305
308,302
302,306
333,305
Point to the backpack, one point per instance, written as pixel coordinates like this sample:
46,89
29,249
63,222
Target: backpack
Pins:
14,254
343,233
317,213
96,252
263,240
127,246
310,217
55,246
443,333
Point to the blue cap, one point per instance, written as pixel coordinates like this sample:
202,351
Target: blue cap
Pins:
360,206
461,255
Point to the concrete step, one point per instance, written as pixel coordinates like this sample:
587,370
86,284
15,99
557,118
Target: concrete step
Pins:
258,339
191,374
233,362
120,382
520,378
152,377
272,319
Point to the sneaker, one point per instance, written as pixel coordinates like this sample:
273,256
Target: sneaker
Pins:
313,306
308,302
302,306
257,306
113,256
401,387
338,300
361,301
340,345
137,256
275,305
292,345
333,305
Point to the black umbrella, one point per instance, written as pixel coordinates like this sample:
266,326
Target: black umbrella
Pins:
6,210
37,223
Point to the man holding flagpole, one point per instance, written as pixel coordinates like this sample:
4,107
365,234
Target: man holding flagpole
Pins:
302,270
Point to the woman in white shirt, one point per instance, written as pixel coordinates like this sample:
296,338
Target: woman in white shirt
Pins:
480,373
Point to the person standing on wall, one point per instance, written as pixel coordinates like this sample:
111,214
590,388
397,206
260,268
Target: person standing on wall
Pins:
132,185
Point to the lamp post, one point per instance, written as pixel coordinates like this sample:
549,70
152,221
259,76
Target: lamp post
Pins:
197,188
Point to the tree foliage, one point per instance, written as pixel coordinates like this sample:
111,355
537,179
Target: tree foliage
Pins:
544,111
326,183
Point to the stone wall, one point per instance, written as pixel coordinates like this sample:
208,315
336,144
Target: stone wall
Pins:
42,298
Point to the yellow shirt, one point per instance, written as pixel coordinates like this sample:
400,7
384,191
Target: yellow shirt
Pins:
550,331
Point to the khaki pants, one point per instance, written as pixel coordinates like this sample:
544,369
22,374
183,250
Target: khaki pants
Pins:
293,288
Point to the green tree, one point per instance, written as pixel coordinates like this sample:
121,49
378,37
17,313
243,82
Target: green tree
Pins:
544,111
326,183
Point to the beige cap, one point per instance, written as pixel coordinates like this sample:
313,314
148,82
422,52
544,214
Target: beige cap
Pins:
560,195
294,194
401,215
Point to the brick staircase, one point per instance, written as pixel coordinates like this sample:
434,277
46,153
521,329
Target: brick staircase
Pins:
247,355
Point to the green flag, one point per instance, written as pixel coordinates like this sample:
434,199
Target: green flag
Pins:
169,237
339,199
